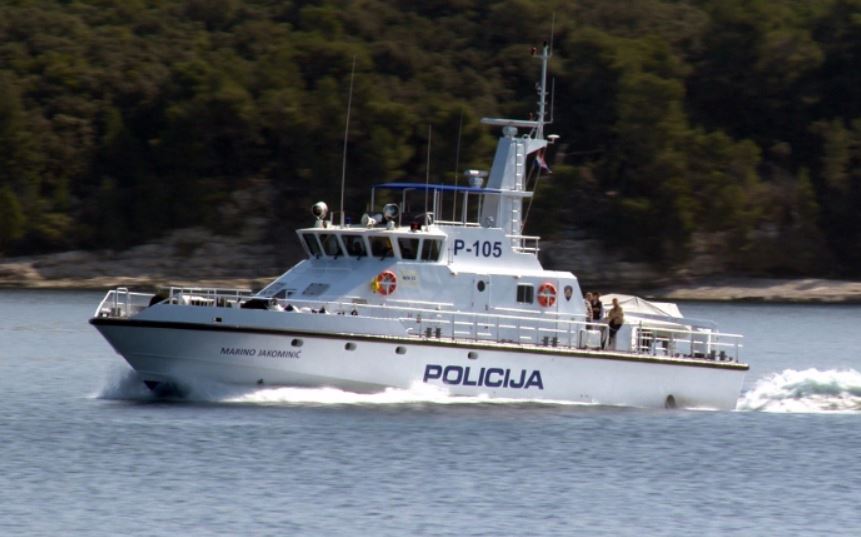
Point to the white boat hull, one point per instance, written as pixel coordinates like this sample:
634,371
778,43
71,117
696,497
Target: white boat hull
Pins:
183,353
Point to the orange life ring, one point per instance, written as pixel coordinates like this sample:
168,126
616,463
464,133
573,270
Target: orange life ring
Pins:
547,294
385,283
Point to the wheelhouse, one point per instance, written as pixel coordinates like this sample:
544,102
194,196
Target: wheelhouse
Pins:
359,243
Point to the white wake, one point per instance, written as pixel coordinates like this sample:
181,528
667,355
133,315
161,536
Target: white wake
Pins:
789,391
807,391
125,384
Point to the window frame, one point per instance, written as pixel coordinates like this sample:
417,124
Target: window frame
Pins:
416,249
337,243
529,291
390,252
361,238
438,241
314,240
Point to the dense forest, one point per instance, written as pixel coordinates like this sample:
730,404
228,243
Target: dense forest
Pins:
729,128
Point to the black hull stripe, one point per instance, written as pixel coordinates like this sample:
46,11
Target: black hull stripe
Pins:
466,345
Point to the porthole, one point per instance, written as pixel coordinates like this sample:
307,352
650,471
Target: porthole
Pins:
481,285
350,346
472,356
401,350
296,343
670,403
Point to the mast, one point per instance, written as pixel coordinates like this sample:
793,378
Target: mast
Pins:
508,173
542,91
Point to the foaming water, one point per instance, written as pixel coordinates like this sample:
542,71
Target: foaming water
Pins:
806,391
127,385
789,391
417,394
123,385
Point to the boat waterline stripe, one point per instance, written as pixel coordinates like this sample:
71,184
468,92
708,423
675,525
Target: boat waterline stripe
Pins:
468,345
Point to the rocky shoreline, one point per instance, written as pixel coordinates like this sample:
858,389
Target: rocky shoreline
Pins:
806,290
196,258
191,257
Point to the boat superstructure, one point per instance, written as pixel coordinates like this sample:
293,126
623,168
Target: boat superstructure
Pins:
406,297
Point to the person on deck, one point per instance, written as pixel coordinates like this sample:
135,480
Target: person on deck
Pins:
587,302
615,320
597,307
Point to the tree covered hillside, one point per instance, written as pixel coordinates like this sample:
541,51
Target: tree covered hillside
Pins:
730,128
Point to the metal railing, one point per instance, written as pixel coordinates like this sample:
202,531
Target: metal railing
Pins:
440,322
121,303
709,344
208,296
525,244
545,331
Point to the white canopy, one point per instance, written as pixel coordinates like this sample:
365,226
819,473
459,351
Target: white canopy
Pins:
634,305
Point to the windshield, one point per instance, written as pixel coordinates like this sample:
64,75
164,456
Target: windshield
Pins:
313,245
431,249
381,247
355,245
330,245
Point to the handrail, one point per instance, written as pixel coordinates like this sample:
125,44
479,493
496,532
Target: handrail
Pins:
121,303
469,325
523,241
431,322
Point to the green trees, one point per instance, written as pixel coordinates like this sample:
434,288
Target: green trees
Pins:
841,187
733,124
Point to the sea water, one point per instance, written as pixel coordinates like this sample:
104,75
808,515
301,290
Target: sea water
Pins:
85,449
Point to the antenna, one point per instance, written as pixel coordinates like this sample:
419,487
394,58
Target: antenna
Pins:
546,52
552,98
542,91
427,175
456,167
346,134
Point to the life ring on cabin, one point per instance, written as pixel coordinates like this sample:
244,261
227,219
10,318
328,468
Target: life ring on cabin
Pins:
385,283
546,294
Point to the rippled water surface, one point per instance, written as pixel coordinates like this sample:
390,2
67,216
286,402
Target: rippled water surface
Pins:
85,450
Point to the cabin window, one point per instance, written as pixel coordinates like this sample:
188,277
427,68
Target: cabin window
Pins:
330,245
525,294
381,247
431,249
409,248
313,245
355,245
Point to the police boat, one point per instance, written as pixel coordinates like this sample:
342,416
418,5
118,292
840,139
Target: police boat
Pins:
463,305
